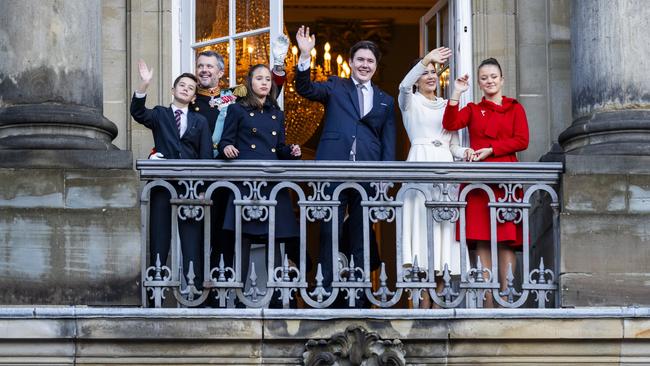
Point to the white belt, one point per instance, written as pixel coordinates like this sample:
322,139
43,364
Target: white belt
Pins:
428,141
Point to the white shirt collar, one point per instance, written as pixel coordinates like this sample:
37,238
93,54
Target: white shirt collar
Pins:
367,83
174,108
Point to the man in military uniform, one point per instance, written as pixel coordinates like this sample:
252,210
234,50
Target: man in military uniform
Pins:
212,102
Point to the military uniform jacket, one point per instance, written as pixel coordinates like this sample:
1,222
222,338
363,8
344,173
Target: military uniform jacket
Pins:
195,142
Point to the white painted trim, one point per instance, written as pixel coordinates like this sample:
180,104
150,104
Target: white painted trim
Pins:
464,54
276,17
186,58
176,41
232,29
187,45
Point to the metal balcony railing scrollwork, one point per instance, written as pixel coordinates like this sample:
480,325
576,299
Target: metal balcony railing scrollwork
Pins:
515,190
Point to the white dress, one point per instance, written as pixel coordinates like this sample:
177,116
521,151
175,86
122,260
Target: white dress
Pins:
429,142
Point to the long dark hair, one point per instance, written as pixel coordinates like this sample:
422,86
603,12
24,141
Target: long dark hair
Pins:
251,100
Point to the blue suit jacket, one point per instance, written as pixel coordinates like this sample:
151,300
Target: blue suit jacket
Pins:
196,142
374,133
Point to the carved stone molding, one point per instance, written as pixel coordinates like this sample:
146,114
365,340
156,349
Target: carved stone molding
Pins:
355,346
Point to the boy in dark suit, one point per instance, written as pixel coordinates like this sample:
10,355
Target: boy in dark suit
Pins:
359,125
178,133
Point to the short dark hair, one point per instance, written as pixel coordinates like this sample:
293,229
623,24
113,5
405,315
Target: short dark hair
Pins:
490,61
186,75
251,100
209,53
367,45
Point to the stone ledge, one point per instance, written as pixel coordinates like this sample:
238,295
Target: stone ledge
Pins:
66,159
135,336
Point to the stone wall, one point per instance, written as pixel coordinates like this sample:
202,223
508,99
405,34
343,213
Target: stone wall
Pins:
133,30
69,236
605,231
67,336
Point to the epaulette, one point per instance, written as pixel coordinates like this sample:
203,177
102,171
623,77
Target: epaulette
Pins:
239,90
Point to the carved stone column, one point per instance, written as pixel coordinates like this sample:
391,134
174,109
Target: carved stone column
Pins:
51,76
611,74
606,185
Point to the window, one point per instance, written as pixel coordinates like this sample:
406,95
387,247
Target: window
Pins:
449,24
239,30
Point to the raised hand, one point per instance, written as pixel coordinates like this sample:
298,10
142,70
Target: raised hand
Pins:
279,48
439,55
146,74
461,84
306,42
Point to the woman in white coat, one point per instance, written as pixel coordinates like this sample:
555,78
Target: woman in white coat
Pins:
422,113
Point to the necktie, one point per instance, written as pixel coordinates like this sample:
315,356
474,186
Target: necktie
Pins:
360,88
177,114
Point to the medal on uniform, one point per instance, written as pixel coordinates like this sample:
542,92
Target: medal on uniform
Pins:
213,101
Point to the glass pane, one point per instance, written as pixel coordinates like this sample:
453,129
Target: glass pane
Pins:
431,34
252,14
211,19
444,27
223,50
251,51
443,83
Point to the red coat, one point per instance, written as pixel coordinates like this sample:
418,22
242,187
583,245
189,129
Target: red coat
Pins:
504,128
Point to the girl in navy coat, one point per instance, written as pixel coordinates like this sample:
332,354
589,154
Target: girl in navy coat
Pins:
254,130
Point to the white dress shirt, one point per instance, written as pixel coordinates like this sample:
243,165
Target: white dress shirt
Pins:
368,94
183,118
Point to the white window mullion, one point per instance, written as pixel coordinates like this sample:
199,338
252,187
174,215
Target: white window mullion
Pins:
276,15
185,55
232,30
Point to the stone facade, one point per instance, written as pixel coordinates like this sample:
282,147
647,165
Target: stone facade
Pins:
67,336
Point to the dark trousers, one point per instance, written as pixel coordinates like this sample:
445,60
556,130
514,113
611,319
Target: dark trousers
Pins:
222,241
160,232
352,242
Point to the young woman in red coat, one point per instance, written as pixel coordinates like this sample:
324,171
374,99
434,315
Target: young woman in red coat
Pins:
498,129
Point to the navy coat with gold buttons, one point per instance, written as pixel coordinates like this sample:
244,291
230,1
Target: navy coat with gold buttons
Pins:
259,134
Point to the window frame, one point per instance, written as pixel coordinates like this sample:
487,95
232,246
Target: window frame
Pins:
186,21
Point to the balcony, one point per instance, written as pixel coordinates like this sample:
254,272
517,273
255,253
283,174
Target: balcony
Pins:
524,193
221,320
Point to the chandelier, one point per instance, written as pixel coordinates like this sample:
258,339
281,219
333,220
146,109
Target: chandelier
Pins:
302,116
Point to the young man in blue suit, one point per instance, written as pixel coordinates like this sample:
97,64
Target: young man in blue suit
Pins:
178,133
359,125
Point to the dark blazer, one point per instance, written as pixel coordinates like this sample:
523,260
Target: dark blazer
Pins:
196,142
259,135
374,133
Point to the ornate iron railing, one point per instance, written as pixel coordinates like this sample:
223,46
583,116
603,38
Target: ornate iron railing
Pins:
515,191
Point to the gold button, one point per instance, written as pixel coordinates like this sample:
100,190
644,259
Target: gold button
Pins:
254,129
273,116
252,146
252,114
214,146
272,149
274,133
